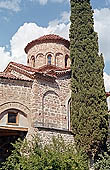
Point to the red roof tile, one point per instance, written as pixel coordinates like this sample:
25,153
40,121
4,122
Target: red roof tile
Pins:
49,67
5,75
107,94
27,68
47,38
49,70
8,76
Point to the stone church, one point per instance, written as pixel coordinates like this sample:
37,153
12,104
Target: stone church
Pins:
35,98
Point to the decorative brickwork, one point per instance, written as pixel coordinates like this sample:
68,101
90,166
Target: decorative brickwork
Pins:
41,52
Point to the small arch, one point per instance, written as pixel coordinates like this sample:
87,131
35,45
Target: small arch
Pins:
33,61
24,110
17,105
13,125
28,61
50,91
40,60
58,59
66,60
49,59
51,108
45,94
39,55
14,117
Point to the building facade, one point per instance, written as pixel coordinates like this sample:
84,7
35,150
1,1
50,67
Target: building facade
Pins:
36,98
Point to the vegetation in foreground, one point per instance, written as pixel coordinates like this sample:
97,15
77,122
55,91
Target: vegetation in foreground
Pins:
35,156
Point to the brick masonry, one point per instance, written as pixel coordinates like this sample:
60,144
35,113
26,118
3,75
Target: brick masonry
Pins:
45,102
40,52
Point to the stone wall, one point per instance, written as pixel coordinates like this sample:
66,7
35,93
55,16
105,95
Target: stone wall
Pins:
16,95
50,102
57,51
46,135
45,102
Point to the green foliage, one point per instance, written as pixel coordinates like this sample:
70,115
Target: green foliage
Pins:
55,156
89,108
103,163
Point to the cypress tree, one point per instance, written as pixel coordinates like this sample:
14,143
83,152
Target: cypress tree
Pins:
89,108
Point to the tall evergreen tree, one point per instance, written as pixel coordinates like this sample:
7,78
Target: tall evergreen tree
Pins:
89,107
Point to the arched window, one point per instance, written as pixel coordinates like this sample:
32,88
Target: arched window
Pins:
28,61
69,113
49,59
33,61
66,60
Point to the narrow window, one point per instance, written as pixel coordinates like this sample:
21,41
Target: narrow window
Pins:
66,61
49,59
28,61
69,113
12,118
33,61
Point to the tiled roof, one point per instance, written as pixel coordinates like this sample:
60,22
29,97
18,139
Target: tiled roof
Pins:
47,38
6,75
50,37
49,67
27,68
49,70
9,76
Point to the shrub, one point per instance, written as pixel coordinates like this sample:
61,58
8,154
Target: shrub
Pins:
35,156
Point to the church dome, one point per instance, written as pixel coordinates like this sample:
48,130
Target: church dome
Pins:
46,39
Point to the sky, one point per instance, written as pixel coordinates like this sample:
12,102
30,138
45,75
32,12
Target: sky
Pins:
22,21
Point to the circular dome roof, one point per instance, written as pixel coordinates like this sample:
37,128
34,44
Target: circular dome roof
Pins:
46,39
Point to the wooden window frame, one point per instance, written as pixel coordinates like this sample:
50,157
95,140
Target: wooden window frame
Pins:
17,117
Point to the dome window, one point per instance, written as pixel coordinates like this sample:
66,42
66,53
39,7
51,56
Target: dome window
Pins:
49,59
33,61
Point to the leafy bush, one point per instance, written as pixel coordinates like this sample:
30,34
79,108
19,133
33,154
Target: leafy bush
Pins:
35,156
103,163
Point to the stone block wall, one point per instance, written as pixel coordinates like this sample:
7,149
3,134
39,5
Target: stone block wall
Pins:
41,52
44,102
16,95
50,102
46,135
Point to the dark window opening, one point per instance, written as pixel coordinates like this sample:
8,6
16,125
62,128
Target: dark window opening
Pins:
49,59
66,61
28,61
12,118
33,61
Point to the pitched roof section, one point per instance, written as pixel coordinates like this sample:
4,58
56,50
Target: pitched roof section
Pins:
49,67
23,72
10,76
46,70
24,67
54,71
46,39
7,75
